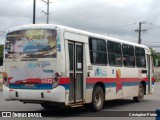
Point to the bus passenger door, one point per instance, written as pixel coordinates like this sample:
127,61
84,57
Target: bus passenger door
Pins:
75,71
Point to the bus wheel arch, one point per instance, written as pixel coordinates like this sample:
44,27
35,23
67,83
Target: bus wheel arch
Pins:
141,92
144,86
101,84
98,96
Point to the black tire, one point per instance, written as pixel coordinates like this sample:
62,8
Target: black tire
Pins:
49,107
97,99
140,96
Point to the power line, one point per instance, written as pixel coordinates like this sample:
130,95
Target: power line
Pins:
21,19
53,1
153,29
103,4
155,25
115,27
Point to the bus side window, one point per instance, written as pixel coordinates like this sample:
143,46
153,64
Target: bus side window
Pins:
114,53
128,55
98,51
140,57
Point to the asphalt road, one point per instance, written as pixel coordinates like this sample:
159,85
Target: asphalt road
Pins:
150,103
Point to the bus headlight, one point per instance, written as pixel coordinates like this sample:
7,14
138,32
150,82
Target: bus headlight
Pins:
56,79
5,79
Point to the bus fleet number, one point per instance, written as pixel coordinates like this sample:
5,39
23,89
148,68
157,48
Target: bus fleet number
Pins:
47,80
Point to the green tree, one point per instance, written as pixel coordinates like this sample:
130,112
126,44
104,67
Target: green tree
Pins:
155,56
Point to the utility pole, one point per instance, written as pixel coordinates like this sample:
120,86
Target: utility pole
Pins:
47,13
34,11
139,31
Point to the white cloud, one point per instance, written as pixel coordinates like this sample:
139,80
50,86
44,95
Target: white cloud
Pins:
90,15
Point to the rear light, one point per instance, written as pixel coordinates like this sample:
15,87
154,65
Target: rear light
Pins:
57,74
56,79
5,79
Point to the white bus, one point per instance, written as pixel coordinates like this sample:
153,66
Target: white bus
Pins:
55,66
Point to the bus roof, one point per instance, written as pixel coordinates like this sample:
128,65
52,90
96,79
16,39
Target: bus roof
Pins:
73,30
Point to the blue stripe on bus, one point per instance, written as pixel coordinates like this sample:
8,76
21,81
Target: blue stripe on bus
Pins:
107,85
125,84
36,86
67,86
130,84
147,83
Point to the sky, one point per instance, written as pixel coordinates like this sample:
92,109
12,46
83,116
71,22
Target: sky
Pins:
113,18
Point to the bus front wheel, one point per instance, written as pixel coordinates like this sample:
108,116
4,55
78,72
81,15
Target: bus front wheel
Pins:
97,98
140,96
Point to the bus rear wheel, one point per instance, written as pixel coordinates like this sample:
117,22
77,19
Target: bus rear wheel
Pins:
140,96
97,98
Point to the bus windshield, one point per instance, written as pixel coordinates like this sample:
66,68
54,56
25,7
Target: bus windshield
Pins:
33,43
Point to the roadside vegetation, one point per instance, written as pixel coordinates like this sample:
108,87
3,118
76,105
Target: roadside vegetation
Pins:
156,62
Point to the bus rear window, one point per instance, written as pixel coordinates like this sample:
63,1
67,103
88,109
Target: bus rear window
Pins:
34,43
